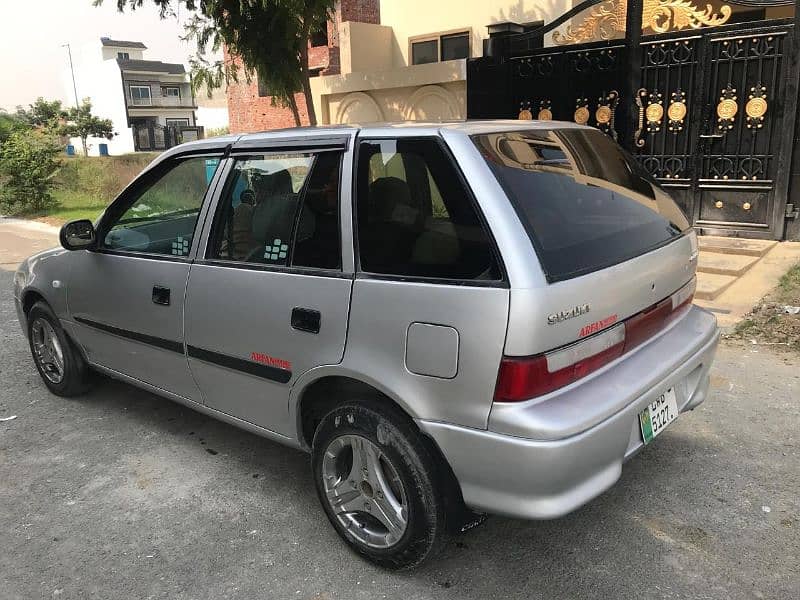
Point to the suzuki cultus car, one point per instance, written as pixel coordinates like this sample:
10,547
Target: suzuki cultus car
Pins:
453,319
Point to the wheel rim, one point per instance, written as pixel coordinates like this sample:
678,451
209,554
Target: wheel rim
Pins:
47,350
364,491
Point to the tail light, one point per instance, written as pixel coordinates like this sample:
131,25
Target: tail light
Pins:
523,378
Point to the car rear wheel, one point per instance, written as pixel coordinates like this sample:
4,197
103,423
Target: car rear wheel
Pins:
378,485
60,364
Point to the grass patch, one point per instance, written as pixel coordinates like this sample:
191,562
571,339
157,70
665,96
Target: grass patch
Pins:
769,322
85,186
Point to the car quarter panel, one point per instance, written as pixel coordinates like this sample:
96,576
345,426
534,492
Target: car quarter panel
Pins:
382,312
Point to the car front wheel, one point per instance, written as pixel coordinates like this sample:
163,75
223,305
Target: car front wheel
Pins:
60,364
378,486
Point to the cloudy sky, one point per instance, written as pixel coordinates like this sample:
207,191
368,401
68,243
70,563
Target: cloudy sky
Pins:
32,33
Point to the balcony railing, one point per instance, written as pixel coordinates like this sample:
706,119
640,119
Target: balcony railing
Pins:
159,101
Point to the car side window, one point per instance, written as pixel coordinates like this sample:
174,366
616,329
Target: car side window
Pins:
414,216
160,217
281,210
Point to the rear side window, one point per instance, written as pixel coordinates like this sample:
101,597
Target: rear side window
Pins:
585,203
282,210
414,216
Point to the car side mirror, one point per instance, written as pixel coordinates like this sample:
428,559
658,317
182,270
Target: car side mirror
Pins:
78,235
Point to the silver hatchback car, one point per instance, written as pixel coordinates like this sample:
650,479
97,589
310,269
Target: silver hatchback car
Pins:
454,319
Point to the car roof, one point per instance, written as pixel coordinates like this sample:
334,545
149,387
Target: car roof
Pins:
388,129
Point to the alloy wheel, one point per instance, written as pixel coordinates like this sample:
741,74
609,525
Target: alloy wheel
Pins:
47,350
364,491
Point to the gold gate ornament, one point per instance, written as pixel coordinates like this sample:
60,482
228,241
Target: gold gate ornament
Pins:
607,21
655,112
545,112
582,113
756,107
677,111
603,115
525,111
727,109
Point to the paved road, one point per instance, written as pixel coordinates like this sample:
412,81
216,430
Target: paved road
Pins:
124,495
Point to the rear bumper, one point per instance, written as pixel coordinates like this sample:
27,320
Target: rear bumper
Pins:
553,455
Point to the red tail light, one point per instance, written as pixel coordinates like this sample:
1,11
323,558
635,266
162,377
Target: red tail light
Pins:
524,378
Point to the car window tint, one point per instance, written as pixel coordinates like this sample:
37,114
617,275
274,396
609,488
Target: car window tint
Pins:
161,217
414,216
585,203
316,242
280,210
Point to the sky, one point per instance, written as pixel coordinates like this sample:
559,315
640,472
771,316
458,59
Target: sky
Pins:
32,33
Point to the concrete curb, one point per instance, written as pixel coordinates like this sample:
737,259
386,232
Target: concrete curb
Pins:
35,226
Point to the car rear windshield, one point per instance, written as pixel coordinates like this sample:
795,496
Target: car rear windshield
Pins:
585,202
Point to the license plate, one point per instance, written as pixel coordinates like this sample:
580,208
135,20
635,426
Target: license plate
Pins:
661,412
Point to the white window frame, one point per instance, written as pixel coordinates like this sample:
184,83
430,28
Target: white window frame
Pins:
184,121
138,101
123,55
164,88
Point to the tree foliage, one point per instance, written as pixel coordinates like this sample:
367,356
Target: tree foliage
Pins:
28,163
266,38
43,114
80,122
9,124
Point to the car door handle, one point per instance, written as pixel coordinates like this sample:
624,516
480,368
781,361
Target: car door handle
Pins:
306,319
161,295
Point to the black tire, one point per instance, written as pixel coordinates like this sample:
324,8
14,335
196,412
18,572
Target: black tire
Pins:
403,447
74,380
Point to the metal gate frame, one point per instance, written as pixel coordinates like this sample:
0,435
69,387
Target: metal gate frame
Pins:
493,91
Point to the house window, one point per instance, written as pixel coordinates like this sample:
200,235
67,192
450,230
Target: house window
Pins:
451,46
320,36
454,46
140,95
171,92
123,56
177,122
263,88
424,52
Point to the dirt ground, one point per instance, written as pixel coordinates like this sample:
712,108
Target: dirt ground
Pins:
772,322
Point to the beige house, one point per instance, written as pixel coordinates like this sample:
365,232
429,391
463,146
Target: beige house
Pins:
414,66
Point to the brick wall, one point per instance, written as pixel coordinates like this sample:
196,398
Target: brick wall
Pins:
249,112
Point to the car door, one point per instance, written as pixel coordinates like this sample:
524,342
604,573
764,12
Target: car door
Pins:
268,299
126,296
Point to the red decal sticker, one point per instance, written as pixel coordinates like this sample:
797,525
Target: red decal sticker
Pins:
266,359
598,325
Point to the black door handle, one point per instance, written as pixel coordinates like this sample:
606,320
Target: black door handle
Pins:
160,295
306,319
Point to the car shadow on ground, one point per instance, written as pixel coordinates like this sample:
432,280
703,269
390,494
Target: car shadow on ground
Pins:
584,548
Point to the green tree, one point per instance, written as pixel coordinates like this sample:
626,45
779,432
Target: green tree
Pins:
9,124
80,122
266,38
44,114
28,163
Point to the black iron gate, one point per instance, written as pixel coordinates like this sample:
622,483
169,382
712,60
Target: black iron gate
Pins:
709,111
